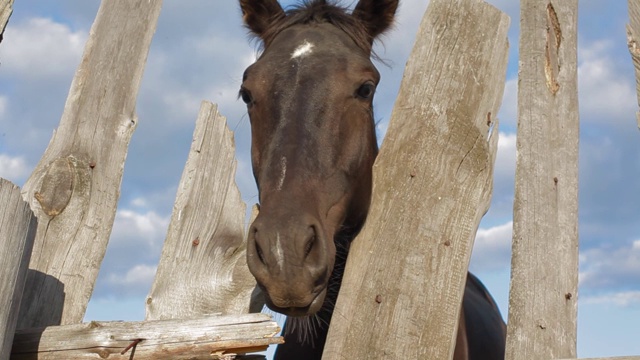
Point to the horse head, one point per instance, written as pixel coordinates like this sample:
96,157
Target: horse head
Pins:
309,98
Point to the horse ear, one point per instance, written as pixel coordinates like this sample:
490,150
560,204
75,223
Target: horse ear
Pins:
376,15
259,14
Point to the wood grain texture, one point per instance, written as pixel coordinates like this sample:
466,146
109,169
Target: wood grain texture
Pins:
17,233
203,266
75,187
609,358
212,337
405,274
633,38
544,267
6,8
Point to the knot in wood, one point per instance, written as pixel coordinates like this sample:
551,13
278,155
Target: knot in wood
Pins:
56,187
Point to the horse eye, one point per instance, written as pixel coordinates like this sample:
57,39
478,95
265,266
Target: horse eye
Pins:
366,90
246,96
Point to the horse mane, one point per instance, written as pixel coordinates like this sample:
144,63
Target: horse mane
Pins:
321,11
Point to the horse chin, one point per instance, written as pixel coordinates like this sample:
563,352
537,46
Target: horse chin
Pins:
309,310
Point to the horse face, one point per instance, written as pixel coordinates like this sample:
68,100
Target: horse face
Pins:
309,98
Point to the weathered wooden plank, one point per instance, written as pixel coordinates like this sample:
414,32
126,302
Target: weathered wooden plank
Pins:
610,358
203,267
75,187
6,8
633,36
210,337
432,184
544,266
17,233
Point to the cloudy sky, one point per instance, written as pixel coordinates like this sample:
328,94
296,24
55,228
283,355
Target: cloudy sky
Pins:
199,52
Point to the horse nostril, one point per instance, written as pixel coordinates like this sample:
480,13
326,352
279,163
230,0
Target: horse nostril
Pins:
257,245
260,254
308,246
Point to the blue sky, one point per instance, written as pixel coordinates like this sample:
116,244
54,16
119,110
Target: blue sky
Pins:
199,52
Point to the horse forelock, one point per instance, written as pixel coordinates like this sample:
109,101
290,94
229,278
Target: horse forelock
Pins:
320,11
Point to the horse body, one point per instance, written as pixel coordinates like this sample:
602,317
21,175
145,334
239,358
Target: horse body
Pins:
309,98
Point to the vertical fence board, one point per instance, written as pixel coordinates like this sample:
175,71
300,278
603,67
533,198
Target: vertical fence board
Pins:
544,266
633,36
607,358
203,267
75,186
405,275
6,8
17,232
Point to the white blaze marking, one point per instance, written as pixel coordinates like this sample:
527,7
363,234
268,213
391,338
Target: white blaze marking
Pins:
303,50
279,255
283,172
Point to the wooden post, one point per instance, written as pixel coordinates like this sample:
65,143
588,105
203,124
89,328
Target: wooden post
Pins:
633,36
6,8
608,358
544,265
211,337
203,267
75,187
17,232
405,275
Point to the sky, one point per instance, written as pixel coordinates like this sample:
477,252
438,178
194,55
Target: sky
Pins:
200,50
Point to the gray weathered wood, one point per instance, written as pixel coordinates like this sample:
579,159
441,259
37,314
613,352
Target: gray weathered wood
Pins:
633,36
544,266
75,187
610,358
17,233
405,275
6,8
203,267
212,337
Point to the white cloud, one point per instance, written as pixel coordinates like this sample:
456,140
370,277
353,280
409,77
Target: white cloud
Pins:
606,91
506,158
14,169
508,114
624,299
139,275
147,228
136,281
503,178
606,94
610,269
492,248
139,202
137,238
40,48
3,106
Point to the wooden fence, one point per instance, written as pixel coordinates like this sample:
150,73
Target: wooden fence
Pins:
74,191
437,159
432,185
544,265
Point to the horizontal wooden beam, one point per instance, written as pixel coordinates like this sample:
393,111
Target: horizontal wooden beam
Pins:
211,337
610,358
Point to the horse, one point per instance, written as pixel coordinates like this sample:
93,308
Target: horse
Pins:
309,99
